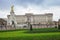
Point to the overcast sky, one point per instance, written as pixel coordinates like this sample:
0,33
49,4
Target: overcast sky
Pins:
34,6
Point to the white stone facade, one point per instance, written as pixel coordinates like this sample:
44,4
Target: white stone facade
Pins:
33,19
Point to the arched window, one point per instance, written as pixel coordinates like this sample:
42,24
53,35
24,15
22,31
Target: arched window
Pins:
12,22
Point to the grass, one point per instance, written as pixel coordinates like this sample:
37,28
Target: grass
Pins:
36,34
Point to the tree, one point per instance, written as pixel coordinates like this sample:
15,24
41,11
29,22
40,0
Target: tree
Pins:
59,24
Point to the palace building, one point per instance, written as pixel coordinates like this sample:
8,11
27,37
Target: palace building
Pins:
36,20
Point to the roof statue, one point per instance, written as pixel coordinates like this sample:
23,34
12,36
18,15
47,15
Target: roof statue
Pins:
12,8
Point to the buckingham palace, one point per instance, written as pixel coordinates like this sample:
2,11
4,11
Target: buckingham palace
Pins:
36,20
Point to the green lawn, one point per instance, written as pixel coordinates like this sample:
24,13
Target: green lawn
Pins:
36,34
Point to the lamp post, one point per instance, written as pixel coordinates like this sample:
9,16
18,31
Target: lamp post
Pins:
29,22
